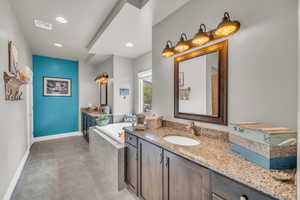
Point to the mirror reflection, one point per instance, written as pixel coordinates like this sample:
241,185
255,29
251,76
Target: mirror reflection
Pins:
103,94
198,85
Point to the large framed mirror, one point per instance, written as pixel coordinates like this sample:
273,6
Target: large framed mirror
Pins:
201,84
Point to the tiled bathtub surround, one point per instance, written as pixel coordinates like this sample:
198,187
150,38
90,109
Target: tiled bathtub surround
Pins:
110,156
213,153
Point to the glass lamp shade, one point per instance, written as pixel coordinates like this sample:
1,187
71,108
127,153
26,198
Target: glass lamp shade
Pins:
168,51
201,37
102,79
182,45
227,27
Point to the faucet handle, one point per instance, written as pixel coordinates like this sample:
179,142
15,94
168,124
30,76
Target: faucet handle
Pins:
190,125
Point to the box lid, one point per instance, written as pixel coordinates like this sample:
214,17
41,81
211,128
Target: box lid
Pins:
264,128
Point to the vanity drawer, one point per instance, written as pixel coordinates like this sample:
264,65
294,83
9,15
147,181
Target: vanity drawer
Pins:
131,139
226,189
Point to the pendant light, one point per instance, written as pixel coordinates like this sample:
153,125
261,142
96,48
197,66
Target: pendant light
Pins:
227,27
168,51
182,45
202,37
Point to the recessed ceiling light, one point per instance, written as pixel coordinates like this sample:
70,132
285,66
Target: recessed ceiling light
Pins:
129,44
61,20
42,24
58,45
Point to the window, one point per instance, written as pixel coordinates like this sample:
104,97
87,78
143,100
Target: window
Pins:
145,91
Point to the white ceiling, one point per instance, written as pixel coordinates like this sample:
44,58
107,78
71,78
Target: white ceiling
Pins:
85,17
130,25
133,25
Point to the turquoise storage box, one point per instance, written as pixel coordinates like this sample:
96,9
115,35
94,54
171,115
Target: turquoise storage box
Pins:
266,146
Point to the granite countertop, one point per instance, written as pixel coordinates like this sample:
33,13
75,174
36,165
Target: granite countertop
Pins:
93,113
215,155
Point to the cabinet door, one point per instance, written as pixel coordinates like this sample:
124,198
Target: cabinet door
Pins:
185,180
82,122
150,171
131,176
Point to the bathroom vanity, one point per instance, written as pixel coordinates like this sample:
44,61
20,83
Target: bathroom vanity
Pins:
88,119
159,170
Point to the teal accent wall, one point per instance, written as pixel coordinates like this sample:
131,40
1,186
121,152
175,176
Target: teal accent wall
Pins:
54,115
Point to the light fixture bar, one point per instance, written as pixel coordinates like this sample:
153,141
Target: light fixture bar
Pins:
226,28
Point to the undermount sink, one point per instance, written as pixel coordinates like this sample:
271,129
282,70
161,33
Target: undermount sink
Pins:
181,140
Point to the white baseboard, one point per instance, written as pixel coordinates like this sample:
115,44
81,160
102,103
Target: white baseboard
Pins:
16,177
57,136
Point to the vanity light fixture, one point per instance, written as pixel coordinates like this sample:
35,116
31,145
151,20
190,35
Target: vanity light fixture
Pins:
102,79
224,29
202,37
168,51
227,27
182,45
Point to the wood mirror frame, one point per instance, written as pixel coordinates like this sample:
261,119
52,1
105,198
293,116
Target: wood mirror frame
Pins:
221,118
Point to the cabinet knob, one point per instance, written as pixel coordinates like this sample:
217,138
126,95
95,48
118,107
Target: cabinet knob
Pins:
243,197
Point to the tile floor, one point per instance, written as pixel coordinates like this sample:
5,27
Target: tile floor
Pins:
64,169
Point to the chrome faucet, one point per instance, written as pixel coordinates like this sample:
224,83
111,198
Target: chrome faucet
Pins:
191,127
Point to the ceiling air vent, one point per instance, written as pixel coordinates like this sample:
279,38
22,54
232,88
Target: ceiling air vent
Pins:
43,25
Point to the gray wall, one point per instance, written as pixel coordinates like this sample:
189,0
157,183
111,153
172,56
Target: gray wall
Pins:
262,58
13,135
140,64
123,79
120,73
87,87
106,66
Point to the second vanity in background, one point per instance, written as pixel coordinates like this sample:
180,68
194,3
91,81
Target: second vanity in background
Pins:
88,119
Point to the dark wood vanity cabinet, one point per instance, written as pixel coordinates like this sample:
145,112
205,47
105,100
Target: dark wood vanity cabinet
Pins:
87,121
185,180
150,171
131,177
154,173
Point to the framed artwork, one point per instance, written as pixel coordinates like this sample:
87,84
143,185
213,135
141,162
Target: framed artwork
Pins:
184,94
181,79
57,87
12,58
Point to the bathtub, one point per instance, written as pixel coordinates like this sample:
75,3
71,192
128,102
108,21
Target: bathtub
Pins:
113,130
109,151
